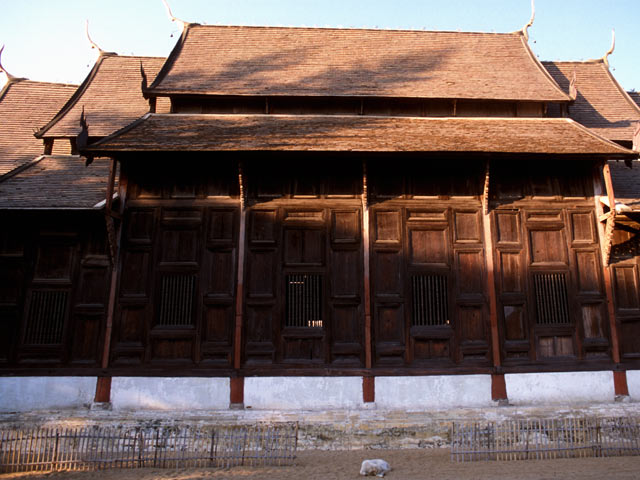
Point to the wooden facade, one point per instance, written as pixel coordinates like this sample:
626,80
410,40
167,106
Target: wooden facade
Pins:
330,229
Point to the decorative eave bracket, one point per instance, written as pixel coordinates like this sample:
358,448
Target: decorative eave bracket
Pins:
609,217
485,190
573,88
636,139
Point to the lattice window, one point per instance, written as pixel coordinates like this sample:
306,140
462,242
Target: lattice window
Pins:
45,321
430,300
176,300
551,298
304,300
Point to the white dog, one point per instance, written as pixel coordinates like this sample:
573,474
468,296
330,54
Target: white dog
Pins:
376,467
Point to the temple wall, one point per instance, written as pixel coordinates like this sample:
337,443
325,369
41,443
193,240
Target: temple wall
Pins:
309,393
23,394
633,381
160,393
559,387
433,392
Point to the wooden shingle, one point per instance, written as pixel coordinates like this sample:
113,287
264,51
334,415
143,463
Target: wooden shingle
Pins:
240,60
111,96
187,132
56,182
602,104
25,106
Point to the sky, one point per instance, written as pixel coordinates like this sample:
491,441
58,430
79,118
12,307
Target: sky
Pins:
45,39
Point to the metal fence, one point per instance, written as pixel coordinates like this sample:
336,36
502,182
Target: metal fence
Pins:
94,448
545,439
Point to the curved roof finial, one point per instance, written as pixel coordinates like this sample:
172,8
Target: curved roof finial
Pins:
2,69
605,59
533,16
93,44
182,23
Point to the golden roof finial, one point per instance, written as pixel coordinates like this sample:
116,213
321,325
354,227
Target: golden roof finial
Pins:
525,29
605,59
2,69
93,44
182,23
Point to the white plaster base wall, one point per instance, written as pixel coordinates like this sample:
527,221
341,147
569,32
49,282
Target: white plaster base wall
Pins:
158,393
433,392
21,394
559,388
633,381
302,393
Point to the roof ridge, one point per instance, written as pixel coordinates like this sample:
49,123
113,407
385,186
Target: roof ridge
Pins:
350,29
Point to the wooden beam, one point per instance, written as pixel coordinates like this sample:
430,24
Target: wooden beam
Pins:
619,377
103,390
237,338
611,220
491,285
103,386
368,389
498,387
237,392
366,267
620,385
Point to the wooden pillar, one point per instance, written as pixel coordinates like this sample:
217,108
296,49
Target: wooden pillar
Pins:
237,383
619,377
368,389
236,393
368,382
499,389
498,385
103,390
103,385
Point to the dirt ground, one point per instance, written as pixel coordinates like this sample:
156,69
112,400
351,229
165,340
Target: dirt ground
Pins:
406,465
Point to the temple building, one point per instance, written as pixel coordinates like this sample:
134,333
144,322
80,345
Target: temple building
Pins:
320,217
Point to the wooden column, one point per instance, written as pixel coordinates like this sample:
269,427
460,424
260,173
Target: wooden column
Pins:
103,385
237,383
619,376
498,385
368,382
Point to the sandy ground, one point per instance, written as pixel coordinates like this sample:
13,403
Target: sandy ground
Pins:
406,464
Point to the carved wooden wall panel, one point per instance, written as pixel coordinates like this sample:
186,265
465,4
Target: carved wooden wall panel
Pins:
304,281
625,264
177,286
54,276
549,281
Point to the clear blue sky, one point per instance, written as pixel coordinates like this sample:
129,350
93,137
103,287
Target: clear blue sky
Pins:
45,39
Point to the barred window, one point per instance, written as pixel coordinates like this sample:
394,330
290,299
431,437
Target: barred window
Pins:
430,300
551,298
45,320
304,300
176,300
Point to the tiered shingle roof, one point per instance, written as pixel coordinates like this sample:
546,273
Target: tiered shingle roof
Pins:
25,106
56,182
602,104
187,132
635,96
237,60
111,96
